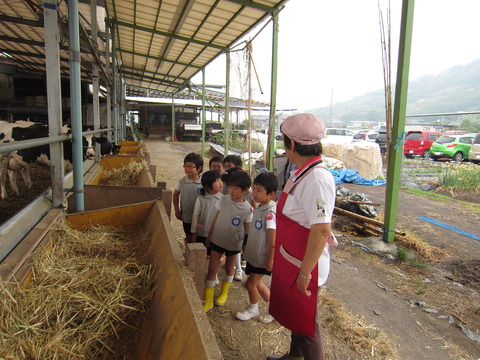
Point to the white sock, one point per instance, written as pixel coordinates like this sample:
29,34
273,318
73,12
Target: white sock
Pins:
210,283
238,262
228,278
254,306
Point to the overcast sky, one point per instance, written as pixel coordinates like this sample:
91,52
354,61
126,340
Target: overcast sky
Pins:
335,44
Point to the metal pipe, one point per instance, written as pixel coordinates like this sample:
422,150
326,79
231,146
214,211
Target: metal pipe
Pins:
273,96
25,144
76,111
395,152
227,103
203,112
115,82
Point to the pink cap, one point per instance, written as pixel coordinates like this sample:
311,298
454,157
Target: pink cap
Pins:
306,129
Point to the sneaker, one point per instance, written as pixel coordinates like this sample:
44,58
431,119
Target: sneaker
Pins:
238,275
249,313
266,319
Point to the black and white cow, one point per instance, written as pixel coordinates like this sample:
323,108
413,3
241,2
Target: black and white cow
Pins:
17,161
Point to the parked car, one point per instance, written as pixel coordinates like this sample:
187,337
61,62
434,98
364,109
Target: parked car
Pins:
455,147
419,143
381,140
365,135
474,153
338,135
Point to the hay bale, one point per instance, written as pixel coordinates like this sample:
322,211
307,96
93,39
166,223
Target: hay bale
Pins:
87,299
334,150
364,157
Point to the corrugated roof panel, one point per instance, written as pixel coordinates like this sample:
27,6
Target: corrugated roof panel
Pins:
138,23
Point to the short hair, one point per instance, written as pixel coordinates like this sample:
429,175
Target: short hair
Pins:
239,178
234,159
268,180
196,159
303,150
226,175
208,178
215,159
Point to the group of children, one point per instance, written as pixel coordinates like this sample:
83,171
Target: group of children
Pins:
222,210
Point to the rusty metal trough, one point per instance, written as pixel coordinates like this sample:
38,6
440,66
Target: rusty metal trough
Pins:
176,327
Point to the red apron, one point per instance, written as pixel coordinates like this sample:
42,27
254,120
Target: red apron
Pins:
294,310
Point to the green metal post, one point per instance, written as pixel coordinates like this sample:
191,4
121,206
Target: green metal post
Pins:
173,118
203,112
227,103
395,149
273,95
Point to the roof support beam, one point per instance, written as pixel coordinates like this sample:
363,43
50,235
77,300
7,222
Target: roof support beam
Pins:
158,58
255,5
138,72
17,20
166,34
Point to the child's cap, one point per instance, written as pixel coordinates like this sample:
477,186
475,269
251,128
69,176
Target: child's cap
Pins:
306,129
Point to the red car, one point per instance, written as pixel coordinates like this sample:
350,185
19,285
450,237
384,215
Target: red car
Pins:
419,142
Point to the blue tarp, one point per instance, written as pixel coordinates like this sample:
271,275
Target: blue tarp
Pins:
352,176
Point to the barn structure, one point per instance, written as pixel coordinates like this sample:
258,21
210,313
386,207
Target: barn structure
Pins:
75,62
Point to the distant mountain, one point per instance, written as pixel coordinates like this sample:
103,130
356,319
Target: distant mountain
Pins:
456,89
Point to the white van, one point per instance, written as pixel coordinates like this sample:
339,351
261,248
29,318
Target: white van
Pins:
338,136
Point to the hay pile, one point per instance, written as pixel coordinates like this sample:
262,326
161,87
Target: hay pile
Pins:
365,340
87,299
421,248
125,176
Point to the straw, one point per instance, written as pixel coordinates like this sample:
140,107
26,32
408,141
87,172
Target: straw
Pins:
127,175
87,299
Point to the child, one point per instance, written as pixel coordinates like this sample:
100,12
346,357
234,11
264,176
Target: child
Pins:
216,163
226,235
186,192
205,209
232,163
261,245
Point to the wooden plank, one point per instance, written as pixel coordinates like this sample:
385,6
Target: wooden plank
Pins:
167,202
177,326
196,258
17,257
104,196
127,217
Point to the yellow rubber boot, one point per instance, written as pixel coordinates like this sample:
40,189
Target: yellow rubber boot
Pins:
222,298
208,295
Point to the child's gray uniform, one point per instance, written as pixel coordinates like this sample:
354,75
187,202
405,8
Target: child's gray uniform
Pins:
229,228
257,249
188,195
205,209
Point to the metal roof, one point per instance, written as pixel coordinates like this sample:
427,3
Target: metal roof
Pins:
160,44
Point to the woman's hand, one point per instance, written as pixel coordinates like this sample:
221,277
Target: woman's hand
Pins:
302,284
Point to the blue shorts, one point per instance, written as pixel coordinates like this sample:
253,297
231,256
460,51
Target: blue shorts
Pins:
221,250
250,269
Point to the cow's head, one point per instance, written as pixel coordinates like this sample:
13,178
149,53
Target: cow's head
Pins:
89,146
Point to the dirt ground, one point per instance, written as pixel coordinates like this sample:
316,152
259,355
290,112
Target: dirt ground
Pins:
428,312
41,181
425,313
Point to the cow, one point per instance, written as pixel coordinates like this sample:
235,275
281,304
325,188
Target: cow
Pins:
17,161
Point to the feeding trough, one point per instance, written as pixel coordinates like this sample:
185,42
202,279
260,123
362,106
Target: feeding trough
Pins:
175,326
100,195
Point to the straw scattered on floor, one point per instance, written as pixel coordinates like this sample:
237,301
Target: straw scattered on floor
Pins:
127,175
87,299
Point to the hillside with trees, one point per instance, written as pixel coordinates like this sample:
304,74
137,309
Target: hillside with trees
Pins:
454,90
